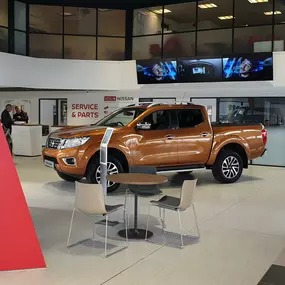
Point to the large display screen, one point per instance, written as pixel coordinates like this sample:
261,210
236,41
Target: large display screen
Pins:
156,71
248,67
200,70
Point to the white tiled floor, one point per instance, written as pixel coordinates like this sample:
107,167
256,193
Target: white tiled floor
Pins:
242,234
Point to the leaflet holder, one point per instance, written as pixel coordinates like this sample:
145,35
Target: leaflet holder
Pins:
104,158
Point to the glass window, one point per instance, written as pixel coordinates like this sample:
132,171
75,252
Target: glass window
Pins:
279,16
111,22
147,47
190,118
111,48
79,47
159,120
247,13
20,43
180,17
79,21
147,21
179,45
220,15
235,110
20,15
46,19
215,42
49,46
121,118
4,39
253,39
279,37
271,112
4,13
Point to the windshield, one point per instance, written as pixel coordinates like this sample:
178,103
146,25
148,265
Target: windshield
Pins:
121,117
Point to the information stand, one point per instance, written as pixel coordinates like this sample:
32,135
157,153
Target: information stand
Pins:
104,158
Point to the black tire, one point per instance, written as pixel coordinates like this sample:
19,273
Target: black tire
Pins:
93,168
228,167
67,177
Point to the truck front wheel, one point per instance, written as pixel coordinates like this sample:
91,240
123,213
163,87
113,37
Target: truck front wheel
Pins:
114,166
228,167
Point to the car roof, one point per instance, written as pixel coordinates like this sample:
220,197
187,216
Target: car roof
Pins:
165,106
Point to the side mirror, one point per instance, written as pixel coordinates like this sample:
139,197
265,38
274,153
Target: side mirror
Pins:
145,126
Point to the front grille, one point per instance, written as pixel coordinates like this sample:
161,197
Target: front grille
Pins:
53,143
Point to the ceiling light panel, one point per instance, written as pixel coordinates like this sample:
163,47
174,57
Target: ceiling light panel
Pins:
257,1
207,6
160,11
270,13
230,17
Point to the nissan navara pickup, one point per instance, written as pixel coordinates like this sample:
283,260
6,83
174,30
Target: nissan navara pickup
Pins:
173,138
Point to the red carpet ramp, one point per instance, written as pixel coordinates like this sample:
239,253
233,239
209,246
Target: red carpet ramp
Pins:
19,245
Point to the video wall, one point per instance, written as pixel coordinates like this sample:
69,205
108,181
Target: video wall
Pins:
253,67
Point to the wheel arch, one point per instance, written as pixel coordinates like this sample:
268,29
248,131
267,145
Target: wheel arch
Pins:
114,152
238,148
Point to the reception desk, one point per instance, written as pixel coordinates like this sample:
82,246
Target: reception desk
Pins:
27,140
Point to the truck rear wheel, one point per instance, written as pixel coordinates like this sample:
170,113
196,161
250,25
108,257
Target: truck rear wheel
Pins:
114,166
228,167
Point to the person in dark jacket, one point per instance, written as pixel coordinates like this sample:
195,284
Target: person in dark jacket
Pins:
6,119
20,115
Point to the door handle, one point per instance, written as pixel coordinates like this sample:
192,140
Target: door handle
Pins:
169,137
204,135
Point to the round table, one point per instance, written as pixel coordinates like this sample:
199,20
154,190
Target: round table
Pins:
136,179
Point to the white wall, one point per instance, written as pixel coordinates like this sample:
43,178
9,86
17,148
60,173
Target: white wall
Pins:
21,71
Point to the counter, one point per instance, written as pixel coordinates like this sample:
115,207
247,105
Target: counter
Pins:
27,139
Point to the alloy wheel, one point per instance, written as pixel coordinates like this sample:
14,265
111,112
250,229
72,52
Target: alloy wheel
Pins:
230,167
111,169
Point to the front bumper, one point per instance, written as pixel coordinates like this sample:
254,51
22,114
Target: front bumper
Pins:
58,157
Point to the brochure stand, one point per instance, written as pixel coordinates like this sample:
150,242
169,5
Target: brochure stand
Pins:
104,158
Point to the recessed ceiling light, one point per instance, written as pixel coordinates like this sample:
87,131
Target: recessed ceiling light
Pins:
160,11
257,1
207,6
66,14
270,13
230,17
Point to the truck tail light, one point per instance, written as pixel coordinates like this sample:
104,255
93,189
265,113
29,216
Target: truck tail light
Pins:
264,136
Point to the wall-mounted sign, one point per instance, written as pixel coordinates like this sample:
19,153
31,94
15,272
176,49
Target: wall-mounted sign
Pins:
85,111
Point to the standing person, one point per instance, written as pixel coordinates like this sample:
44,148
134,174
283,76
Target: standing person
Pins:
20,115
6,119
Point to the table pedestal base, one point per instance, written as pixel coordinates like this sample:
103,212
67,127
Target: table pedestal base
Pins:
135,234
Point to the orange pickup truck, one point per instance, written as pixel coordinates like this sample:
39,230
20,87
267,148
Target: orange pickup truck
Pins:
173,138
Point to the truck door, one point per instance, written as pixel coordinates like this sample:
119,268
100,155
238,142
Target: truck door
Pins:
158,145
194,135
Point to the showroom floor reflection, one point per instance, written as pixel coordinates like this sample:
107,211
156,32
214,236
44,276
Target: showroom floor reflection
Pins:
242,233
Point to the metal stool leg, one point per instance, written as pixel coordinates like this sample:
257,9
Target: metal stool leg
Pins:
181,231
163,221
126,225
196,221
106,236
147,221
70,228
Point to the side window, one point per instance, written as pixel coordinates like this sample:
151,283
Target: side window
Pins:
190,118
159,120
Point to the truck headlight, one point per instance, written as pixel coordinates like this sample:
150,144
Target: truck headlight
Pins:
74,142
